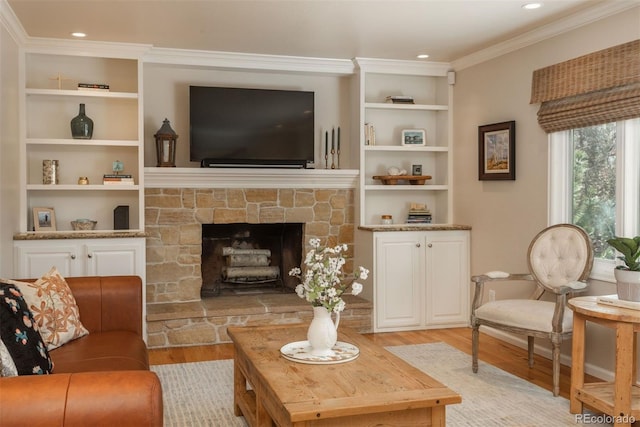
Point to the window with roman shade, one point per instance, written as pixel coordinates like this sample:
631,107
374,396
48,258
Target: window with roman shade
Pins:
593,89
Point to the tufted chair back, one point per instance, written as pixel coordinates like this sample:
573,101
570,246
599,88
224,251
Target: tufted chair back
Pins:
560,255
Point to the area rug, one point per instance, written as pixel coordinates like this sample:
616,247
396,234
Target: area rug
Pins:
201,393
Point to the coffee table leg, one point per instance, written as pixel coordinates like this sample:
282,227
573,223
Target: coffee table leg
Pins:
438,418
239,387
262,416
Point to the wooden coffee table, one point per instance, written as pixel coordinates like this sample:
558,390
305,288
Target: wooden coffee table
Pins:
377,388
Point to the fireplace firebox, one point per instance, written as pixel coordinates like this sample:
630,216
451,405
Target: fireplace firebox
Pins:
246,258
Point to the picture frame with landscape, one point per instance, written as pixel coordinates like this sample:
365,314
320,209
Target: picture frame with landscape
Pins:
44,219
497,151
414,137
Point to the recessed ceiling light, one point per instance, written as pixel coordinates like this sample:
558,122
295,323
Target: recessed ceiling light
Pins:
531,6
78,34
423,56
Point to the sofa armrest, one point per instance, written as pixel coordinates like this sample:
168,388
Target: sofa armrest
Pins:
109,303
115,398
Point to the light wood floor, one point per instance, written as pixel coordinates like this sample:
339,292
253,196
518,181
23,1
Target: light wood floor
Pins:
493,351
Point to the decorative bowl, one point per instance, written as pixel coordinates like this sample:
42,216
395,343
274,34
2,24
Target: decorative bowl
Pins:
83,224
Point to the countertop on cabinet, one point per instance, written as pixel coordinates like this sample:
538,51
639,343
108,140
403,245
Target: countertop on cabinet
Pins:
62,235
414,227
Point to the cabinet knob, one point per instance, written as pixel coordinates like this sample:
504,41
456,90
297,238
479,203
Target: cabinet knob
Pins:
417,245
430,245
90,256
73,256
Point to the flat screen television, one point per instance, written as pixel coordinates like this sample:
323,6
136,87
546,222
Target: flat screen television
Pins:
238,127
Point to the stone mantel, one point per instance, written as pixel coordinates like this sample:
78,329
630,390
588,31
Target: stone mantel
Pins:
249,178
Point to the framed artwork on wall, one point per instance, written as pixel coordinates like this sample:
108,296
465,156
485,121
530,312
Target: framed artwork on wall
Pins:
44,219
497,151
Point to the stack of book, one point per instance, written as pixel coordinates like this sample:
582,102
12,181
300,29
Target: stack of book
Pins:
117,179
94,86
419,214
400,99
369,134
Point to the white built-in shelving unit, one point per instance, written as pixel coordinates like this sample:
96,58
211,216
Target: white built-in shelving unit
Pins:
429,85
49,101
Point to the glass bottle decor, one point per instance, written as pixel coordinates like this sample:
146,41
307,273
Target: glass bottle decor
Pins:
81,125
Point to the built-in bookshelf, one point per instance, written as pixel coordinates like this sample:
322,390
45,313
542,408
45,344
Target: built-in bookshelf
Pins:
52,93
428,87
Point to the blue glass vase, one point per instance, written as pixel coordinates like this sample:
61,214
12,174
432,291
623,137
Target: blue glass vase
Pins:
81,125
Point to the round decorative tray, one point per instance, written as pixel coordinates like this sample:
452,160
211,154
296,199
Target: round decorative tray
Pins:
300,351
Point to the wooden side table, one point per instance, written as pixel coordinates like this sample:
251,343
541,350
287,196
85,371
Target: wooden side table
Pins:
621,398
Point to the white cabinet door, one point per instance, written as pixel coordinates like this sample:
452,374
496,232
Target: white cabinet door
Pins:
115,259
32,259
447,277
421,279
80,257
399,279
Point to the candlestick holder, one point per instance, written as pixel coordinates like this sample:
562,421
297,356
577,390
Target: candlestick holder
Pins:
333,162
326,160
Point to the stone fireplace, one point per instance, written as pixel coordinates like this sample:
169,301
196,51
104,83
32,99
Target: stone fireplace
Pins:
174,219
243,258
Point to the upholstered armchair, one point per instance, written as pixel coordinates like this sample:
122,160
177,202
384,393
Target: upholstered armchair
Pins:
560,259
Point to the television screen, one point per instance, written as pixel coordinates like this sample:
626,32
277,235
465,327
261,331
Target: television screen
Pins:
236,127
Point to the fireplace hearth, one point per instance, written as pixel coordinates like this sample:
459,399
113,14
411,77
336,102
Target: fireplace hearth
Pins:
243,258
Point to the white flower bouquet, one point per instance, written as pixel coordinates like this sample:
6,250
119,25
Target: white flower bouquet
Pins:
324,282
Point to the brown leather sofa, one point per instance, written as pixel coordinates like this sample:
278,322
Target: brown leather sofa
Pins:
101,379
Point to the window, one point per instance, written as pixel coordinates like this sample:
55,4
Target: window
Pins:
594,182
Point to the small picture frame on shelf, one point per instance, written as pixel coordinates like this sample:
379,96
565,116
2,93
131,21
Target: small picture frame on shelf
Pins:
44,219
497,151
414,137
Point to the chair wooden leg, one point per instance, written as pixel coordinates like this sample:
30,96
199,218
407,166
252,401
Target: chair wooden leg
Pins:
475,336
530,343
556,368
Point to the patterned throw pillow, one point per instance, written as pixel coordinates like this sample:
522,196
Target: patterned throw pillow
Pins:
20,335
54,308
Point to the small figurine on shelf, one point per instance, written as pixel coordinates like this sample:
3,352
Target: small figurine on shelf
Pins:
117,177
395,171
117,167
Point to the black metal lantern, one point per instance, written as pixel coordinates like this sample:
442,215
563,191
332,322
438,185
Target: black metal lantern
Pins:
166,145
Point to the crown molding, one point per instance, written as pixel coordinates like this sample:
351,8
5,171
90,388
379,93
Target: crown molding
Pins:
248,61
11,23
249,178
85,48
392,66
577,20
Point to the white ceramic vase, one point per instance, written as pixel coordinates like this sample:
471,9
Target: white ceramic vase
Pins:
627,284
323,332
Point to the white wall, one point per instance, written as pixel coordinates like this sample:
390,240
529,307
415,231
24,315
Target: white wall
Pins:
8,150
166,94
506,215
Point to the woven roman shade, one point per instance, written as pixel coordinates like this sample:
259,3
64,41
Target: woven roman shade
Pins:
597,88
